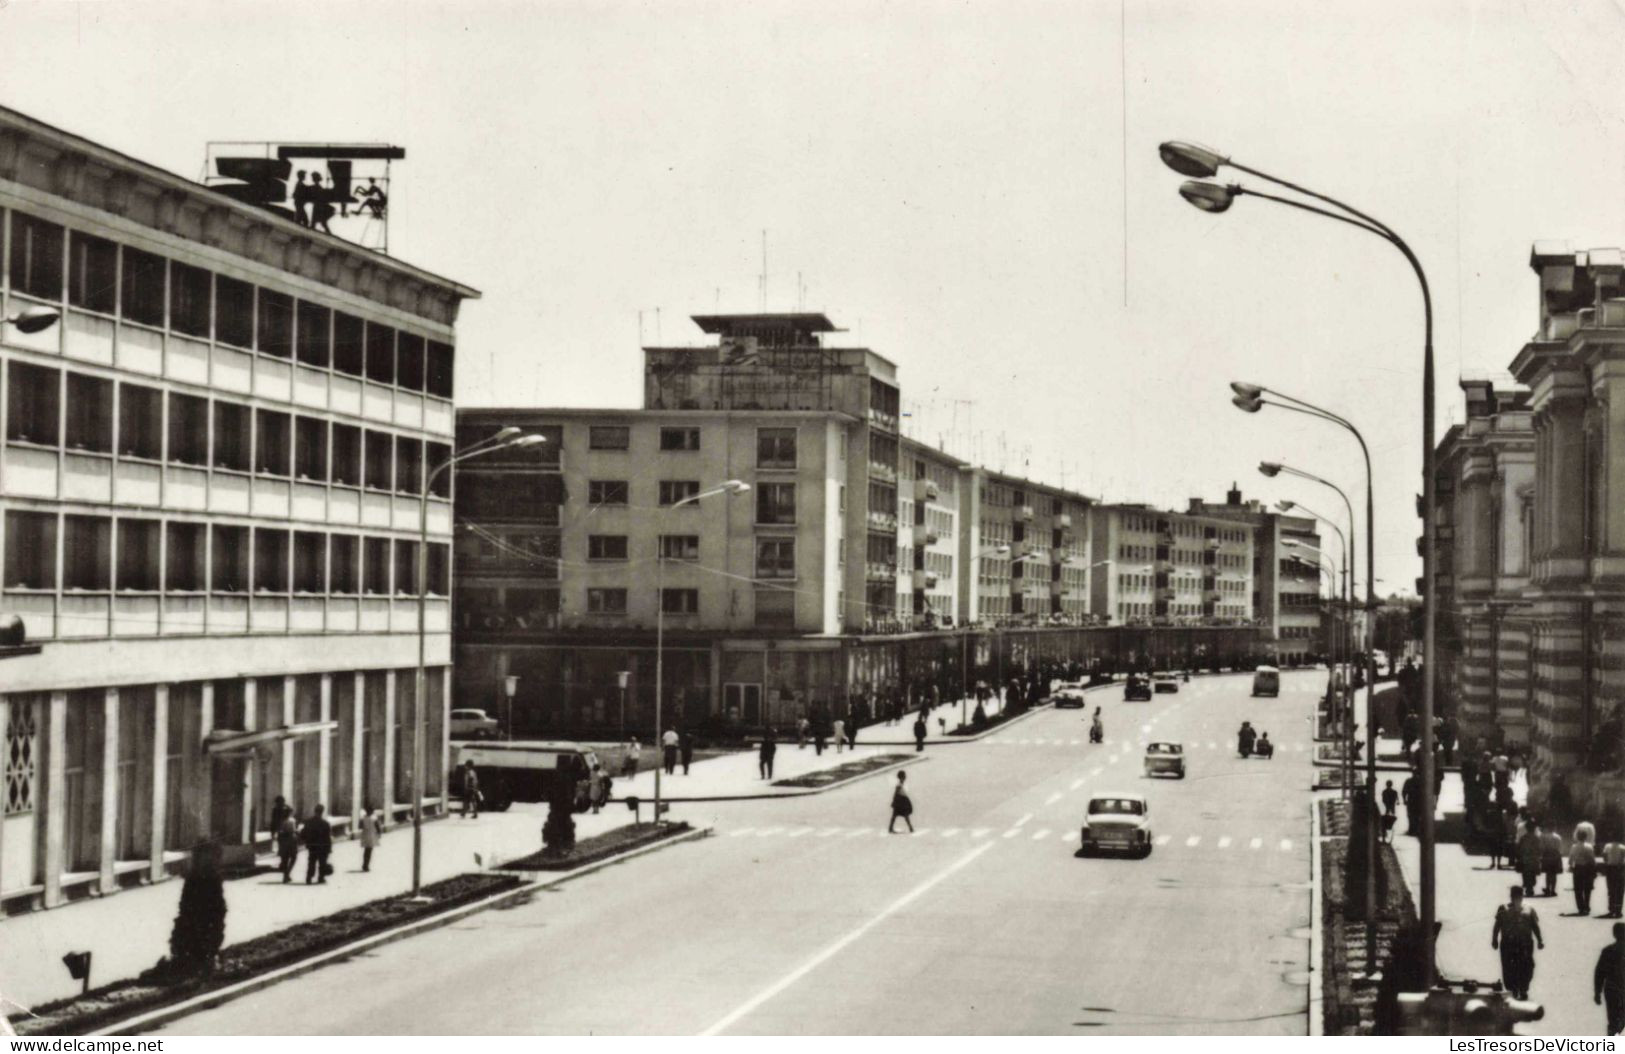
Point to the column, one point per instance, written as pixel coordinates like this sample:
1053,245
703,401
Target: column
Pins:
203,787
390,746
358,750
324,750
445,740
5,724
160,782
56,757
251,778
290,701
108,882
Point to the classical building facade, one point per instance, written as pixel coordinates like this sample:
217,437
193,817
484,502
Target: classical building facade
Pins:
211,477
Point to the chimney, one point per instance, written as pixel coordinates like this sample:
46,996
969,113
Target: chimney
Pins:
1233,497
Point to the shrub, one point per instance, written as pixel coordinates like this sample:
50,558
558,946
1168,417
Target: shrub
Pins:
200,922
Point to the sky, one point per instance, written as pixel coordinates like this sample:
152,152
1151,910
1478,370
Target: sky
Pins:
971,189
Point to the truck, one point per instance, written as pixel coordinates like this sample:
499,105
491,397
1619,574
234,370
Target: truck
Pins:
519,770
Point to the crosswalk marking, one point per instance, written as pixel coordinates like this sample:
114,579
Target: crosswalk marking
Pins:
828,831
981,832
1164,839
1023,820
949,832
1224,842
1286,844
1193,841
1077,783
1255,843
799,831
1053,798
1012,832
1040,835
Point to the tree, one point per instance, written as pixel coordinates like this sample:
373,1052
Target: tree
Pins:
559,832
200,922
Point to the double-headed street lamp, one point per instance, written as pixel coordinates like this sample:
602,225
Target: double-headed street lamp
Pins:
1189,159
730,487
1341,663
32,319
509,438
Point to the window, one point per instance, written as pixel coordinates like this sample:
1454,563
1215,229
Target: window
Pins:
375,578
776,503
276,324
841,496
344,563
609,437
775,609
440,377
679,547
380,353
90,413
232,437
439,569
92,273
409,362
87,553
184,567
680,601
606,547
140,422
270,560
309,562
188,429
775,448
36,257
33,402
606,601
142,295
229,565
310,448
775,558
679,439
409,465
606,492
349,350
189,289
438,455
406,567
30,550
380,459
673,491
346,455
138,555
233,312
272,443
315,335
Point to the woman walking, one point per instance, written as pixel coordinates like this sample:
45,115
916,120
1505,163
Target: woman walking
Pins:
1583,864
372,830
901,806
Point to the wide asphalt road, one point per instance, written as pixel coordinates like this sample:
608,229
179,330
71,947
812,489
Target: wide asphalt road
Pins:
803,916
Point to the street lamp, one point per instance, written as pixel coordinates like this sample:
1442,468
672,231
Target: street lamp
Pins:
1202,163
1340,689
509,438
32,319
621,678
730,487
510,685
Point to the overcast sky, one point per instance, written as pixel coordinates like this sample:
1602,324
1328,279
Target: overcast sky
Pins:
971,189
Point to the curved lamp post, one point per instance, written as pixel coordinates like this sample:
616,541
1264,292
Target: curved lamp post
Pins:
509,438
1348,583
1202,164
730,487
1342,659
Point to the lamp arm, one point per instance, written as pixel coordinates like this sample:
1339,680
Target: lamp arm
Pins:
1379,231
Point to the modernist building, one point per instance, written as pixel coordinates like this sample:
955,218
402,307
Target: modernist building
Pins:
1171,568
211,478
1031,551
934,487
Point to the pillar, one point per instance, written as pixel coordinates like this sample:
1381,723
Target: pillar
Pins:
160,783
390,746
358,750
445,739
108,881
324,749
251,721
290,717
203,787
5,726
56,757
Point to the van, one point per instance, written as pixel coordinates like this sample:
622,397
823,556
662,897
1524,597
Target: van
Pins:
1266,681
517,770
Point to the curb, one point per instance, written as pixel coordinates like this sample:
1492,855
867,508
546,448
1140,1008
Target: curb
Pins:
954,740
209,1000
792,792
1317,936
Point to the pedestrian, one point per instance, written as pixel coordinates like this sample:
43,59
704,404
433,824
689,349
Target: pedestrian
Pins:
287,845
685,747
1407,733
471,790
632,758
1411,792
280,810
901,806
840,735
818,735
318,838
1500,843
1447,738
1500,770
919,735
1583,865
599,791
668,750
764,757
1613,875
1551,859
1517,934
372,830
801,731
1608,980
1529,857
1390,798
852,734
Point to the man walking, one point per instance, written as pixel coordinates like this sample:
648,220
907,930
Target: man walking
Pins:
1517,934
1529,857
919,734
1390,798
1411,792
685,747
668,746
1551,859
471,791
1613,876
764,757
1608,980
318,836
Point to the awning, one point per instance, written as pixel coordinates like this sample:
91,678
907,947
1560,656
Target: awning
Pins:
225,742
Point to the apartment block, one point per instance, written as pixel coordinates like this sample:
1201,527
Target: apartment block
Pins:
1171,569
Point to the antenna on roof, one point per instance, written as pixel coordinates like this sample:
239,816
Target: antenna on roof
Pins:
763,280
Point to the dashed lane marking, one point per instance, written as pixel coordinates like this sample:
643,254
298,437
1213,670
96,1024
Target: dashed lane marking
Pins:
763,832
949,832
736,832
859,833
1256,843
799,831
1286,844
1012,832
1040,835
1193,841
829,831
1077,783
1053,798
1164,839
1224,842
1023,820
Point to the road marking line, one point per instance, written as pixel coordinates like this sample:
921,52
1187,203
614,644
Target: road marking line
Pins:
859,833
981,832
826,832
950,832
1286,844
799,831
1012,832
1193,841
1163,839
922,830
830,952
1077,783
1112,760
1094,771
1023,820
1224,843
763,832
736,832
1053,798
1039,836
1255,843
1213,746
1075,742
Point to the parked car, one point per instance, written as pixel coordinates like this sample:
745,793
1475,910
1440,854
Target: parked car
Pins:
1117,823
1164,682
1165,759
1267,681
473,724
1136,687
1068,696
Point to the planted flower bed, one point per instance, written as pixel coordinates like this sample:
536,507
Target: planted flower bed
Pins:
851,770
239,962
599,847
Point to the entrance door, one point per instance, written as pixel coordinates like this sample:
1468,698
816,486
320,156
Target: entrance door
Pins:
228,793
743,702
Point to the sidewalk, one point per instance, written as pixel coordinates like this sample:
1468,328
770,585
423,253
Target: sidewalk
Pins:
737,775
940,721
129,931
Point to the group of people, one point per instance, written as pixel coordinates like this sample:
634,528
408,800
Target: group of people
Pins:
1249,742
315,835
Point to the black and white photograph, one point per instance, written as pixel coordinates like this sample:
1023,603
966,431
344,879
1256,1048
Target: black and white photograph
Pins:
803,518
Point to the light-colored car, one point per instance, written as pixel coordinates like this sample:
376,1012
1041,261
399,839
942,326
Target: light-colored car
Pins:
473,724
1117,822
1069,695
1164,682
1267,681
1165,759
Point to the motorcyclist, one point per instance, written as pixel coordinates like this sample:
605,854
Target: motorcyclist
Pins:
1264,747
1246,738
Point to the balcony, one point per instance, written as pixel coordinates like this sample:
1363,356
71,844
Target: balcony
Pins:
930,578
1164,594
1024,512
1064,521
925,535
878,572
1212,596
925,490
882,521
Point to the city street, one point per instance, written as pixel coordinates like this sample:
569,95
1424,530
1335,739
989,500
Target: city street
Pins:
805,916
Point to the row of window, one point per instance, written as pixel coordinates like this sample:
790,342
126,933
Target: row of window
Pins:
98,275
775,447
672,601
775,502
132,554
89,414
775,557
